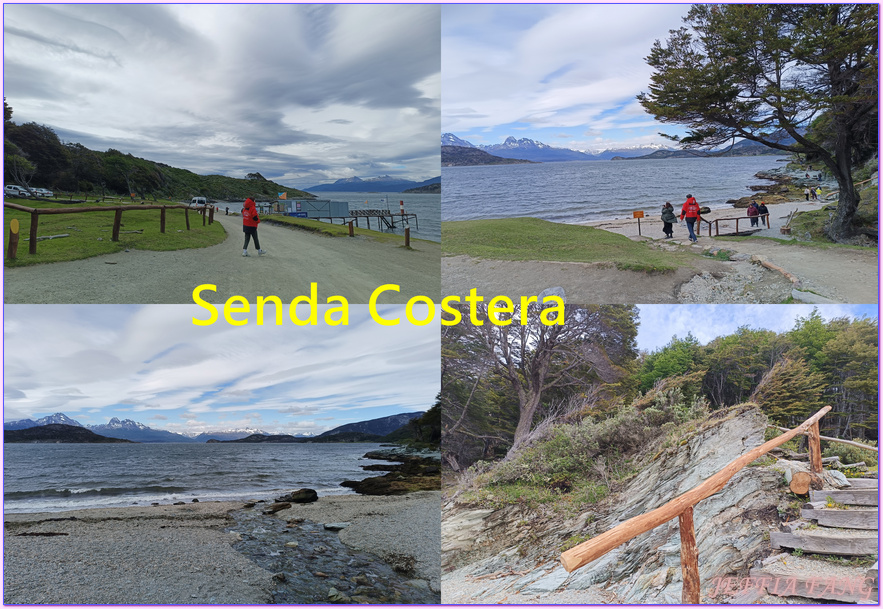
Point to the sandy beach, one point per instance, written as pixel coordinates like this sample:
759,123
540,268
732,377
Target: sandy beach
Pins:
183,555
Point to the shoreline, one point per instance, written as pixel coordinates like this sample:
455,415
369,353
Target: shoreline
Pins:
184,554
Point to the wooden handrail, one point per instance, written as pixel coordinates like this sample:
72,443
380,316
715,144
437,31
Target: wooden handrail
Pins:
681,507
838,440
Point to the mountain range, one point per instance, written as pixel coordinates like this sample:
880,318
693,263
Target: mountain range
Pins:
531,150
128,429
378,184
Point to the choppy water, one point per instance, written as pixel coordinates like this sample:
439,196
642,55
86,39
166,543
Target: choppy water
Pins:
58,477
577,192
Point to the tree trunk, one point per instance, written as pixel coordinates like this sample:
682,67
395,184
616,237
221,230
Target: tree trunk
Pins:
840,227
527,409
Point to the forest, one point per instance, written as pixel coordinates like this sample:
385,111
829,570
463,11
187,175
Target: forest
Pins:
34,156
522,393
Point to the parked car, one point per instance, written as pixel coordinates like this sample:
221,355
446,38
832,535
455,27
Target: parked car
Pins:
13,190
43,192
197,201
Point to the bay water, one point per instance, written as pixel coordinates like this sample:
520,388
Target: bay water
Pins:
585,191
59,477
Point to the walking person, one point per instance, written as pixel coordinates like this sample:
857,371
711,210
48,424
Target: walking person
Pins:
690,210
764,212
250,221
668,219
806,193
753,212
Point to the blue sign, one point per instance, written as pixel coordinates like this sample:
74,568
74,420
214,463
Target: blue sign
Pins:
298,214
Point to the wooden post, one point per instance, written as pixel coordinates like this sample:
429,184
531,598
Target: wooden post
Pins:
12,250
717,231
815,449
203,215
639,226
407,237
35,220
162,220
352,234
117,220
689,558
187,217
211,214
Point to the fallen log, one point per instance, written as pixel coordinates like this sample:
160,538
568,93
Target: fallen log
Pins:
802,482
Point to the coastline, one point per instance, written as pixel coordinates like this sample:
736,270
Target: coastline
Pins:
185,554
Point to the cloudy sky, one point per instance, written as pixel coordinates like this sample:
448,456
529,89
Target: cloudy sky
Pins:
303,94
152,365
565,75
660,323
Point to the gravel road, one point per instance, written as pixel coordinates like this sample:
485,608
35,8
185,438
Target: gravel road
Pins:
352,268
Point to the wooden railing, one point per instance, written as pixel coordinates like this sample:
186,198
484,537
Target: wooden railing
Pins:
117,218
764,219
682,508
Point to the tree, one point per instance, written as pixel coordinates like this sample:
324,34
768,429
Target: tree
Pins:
764,72
17,166
789,392
595,343
7,112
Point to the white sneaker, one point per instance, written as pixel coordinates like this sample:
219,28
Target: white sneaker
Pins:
245,252
261,252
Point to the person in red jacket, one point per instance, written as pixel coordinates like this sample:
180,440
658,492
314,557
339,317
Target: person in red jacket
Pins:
690,210
250,221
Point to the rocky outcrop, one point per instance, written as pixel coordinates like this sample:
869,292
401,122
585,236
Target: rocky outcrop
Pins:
301,495
730,526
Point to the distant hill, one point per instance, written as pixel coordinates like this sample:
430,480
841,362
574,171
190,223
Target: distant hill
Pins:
462,156
379,184
262,439
55,433
378,427
428,189
57,418
531,150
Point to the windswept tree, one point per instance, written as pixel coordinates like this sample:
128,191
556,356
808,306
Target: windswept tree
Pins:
765,72
595,344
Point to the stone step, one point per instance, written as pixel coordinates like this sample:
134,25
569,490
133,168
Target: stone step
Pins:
850,497
867,519
841,542
784,575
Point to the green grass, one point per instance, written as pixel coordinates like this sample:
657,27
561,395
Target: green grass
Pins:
814,244
534,239
90,232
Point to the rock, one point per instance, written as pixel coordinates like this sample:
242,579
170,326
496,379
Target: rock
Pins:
275,507
195,500
336,596
291,544
336,526
250,504
810,298
320,574
280,577
556,291
303,495
178,503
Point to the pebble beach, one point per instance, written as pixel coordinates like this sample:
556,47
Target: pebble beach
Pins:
212,553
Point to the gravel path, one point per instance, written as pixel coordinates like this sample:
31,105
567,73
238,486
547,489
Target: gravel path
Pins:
352,268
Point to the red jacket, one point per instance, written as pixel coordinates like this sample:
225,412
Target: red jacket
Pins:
690,209
249,214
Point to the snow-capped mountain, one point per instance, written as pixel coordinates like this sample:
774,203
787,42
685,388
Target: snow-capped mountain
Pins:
449,139
58,418
127,429
378,184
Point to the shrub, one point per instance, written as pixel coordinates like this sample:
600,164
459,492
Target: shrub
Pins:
851,454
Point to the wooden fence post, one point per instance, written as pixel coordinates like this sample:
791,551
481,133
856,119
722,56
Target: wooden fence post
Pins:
35,219
187,217
408,237
13,239
352,234
117,220
203,215
211,214
815,449
162,219
689,558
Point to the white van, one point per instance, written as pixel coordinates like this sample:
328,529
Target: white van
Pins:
197,201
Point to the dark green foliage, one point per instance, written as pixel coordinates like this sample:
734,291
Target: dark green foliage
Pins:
763,71
789,393
678,357
851,454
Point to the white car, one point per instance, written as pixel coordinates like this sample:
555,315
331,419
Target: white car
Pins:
12,190
43,192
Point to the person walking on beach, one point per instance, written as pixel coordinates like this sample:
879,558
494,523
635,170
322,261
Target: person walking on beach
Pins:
690,210
668,219
753,212
763,210
806,193
250,221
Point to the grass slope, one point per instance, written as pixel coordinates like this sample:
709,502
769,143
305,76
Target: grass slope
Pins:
534,239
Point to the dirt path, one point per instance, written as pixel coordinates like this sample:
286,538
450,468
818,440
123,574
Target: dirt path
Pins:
582,282
352,268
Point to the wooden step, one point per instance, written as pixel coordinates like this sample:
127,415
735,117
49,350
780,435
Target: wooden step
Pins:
817,541
850,497
863,483
796,576
867,519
